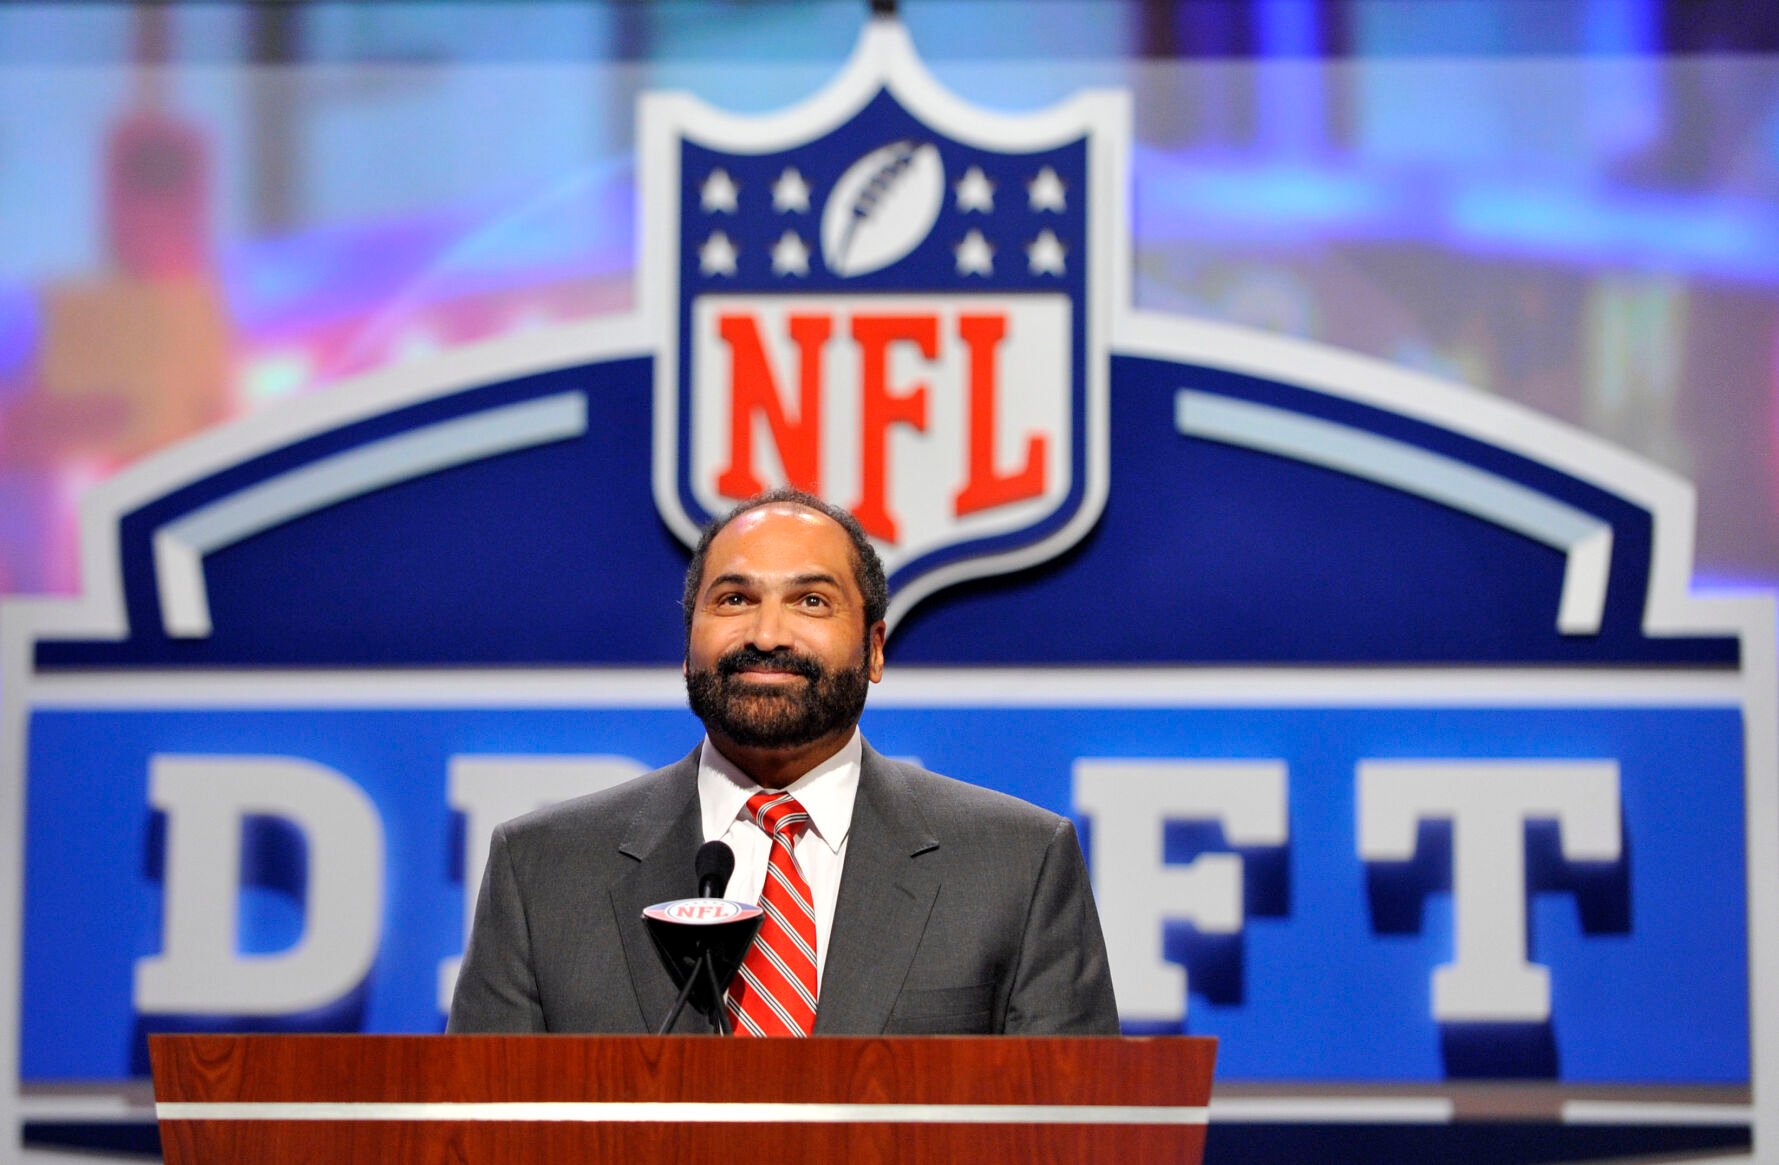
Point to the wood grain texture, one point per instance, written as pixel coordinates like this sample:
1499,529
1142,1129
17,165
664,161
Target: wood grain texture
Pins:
385,1142
835,1069
1076,1071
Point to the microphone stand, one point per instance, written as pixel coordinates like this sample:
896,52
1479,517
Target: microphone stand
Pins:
719,1021
719,1013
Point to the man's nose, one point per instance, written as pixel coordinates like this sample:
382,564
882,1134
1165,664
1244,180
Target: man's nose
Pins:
771,628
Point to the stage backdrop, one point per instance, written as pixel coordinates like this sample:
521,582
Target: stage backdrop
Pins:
1404,762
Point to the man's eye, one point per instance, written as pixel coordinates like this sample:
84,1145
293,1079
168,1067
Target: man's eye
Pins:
815,601
729,600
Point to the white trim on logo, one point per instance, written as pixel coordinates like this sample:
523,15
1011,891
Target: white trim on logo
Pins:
1669,609
99,610
1585,539
180,547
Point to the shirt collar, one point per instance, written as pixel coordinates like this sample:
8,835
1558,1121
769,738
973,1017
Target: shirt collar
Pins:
826,792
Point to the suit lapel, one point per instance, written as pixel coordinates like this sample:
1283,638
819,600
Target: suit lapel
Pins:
885,899
662,838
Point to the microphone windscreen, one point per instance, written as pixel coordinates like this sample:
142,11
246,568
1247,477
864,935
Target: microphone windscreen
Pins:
713,865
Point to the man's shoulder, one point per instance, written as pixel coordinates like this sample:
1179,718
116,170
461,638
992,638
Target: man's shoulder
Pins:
606,811
950,804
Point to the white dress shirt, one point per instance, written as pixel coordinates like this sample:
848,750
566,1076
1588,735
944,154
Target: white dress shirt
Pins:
826,793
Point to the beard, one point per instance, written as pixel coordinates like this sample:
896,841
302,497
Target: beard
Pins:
783,715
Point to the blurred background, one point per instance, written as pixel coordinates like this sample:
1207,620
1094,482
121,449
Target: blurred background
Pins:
206,209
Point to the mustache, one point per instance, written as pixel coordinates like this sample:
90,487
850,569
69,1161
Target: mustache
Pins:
779,660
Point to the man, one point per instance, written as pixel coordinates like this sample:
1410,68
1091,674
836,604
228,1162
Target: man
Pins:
897,901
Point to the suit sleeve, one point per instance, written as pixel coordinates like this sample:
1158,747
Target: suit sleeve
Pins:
496,986
1062,984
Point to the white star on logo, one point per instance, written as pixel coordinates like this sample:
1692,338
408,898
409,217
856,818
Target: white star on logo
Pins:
1044,254
975,192
790,192
717,255
790,256
718,193
1045,191
974,255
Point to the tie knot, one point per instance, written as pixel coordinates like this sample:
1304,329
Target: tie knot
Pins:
778,814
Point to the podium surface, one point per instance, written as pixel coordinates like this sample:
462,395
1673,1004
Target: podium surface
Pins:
680,1098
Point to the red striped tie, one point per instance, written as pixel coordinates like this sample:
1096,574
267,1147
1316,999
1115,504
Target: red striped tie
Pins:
774,992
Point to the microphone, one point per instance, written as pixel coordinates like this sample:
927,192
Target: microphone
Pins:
713,865
702,940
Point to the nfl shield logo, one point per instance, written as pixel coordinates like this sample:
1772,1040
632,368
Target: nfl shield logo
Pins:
864,298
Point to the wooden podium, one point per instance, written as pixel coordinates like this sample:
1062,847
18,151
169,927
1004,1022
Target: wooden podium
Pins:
389,1099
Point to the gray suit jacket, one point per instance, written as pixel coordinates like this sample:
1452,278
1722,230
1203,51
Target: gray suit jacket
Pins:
960,910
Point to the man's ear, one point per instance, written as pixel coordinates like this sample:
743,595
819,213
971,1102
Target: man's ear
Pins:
879,635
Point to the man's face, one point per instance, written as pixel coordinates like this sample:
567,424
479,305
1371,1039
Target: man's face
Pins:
779,655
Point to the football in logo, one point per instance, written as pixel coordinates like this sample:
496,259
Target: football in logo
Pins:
882,207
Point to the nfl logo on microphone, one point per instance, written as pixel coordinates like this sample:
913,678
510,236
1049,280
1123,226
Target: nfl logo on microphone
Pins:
892,308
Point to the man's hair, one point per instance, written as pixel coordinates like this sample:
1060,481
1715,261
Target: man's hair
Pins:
867,568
